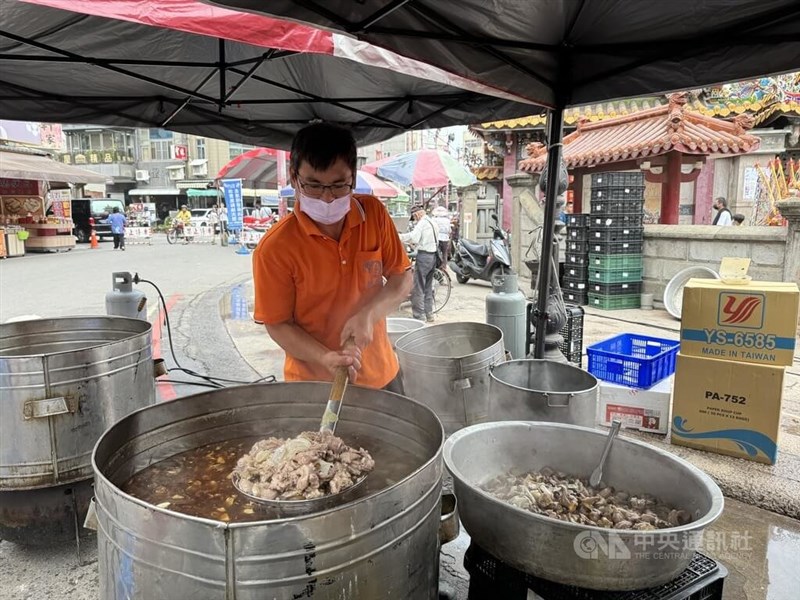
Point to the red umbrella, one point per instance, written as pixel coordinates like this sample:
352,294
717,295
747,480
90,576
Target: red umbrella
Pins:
258,166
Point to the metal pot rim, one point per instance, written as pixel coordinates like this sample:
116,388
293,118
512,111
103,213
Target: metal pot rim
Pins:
429,328
717,499
99,475
146,329
550,392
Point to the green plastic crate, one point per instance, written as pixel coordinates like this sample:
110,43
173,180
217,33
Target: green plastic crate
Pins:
614,275
614,302
616,261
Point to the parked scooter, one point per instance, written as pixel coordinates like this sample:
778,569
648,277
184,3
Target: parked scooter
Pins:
482,261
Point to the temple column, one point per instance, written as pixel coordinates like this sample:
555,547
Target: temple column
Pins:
671,190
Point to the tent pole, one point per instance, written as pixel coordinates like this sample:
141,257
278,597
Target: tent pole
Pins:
555,124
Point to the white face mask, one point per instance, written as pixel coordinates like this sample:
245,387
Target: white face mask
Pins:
323,212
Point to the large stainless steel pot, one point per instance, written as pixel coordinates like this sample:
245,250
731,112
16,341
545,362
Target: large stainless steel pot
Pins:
542,390
62,383
568,553
447,367
383,544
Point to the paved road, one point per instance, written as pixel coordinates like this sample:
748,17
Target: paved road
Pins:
193,278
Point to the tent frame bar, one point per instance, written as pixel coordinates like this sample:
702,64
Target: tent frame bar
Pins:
221,67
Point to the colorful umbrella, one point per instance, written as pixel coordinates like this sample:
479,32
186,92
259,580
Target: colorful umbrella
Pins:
258,167
366,183
423,169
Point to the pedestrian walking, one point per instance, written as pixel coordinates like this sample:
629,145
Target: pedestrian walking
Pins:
117,221
444,227
424,237
319,274
723,216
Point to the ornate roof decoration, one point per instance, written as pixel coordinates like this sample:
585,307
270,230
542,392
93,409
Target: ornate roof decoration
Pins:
765,99
649,133
488,173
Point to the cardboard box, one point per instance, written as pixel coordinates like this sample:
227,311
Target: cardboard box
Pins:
727,407
752,323
642,409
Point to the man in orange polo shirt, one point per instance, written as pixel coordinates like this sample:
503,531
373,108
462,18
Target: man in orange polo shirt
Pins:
319,272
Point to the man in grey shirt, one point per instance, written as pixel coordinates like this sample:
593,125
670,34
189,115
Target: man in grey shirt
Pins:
424,237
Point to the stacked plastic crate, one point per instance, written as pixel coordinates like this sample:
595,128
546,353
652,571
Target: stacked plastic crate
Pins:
615,240
576,259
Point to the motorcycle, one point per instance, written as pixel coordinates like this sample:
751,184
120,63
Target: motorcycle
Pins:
482,261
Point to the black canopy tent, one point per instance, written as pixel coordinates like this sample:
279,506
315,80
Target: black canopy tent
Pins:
195,68
75,66
559,53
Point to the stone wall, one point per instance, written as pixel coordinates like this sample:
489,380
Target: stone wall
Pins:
669,249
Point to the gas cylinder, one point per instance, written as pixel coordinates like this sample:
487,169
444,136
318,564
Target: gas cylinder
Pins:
506,308
123,300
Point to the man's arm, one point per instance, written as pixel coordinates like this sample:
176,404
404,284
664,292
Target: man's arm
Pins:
296,341
360,325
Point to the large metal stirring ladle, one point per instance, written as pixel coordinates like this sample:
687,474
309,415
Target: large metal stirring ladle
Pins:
331,415
597,474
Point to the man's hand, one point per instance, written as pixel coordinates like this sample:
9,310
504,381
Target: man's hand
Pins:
350,357
360,328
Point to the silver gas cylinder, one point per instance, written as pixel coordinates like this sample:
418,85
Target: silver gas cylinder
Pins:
505,309
123,300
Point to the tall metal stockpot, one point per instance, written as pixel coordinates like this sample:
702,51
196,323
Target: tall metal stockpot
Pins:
447,367
62,383
383,544
542,390
570,553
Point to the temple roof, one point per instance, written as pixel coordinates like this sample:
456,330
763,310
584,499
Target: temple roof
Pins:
649,132
593,113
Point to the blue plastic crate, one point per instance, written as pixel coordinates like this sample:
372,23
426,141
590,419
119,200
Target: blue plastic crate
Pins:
637,361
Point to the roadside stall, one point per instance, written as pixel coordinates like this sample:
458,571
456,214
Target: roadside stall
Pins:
35,201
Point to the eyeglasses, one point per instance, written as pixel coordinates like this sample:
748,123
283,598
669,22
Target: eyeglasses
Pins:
315,190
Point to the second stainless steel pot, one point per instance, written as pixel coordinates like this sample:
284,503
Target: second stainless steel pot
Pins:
542,390
582,555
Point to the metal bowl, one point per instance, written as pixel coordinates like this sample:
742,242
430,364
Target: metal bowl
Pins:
673,293
569,553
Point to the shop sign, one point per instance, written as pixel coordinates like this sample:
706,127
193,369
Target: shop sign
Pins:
18,187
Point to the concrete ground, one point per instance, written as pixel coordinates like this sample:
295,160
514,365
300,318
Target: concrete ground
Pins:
206,283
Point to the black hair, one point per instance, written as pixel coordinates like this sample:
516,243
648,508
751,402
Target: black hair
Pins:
115,209
321,145
739,218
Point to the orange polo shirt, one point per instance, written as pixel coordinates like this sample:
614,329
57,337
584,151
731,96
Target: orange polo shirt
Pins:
301,274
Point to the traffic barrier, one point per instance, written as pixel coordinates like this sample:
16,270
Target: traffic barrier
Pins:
138,236
200,235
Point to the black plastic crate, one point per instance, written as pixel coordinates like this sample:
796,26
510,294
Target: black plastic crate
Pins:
618,247
616,207
622,194
616,289
621,234
572,333
578,220
624,220
577,259
576,247
577,234
576,271
575,284
576,297
617,179
491,579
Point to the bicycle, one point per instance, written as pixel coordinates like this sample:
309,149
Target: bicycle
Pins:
177,231
442,285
